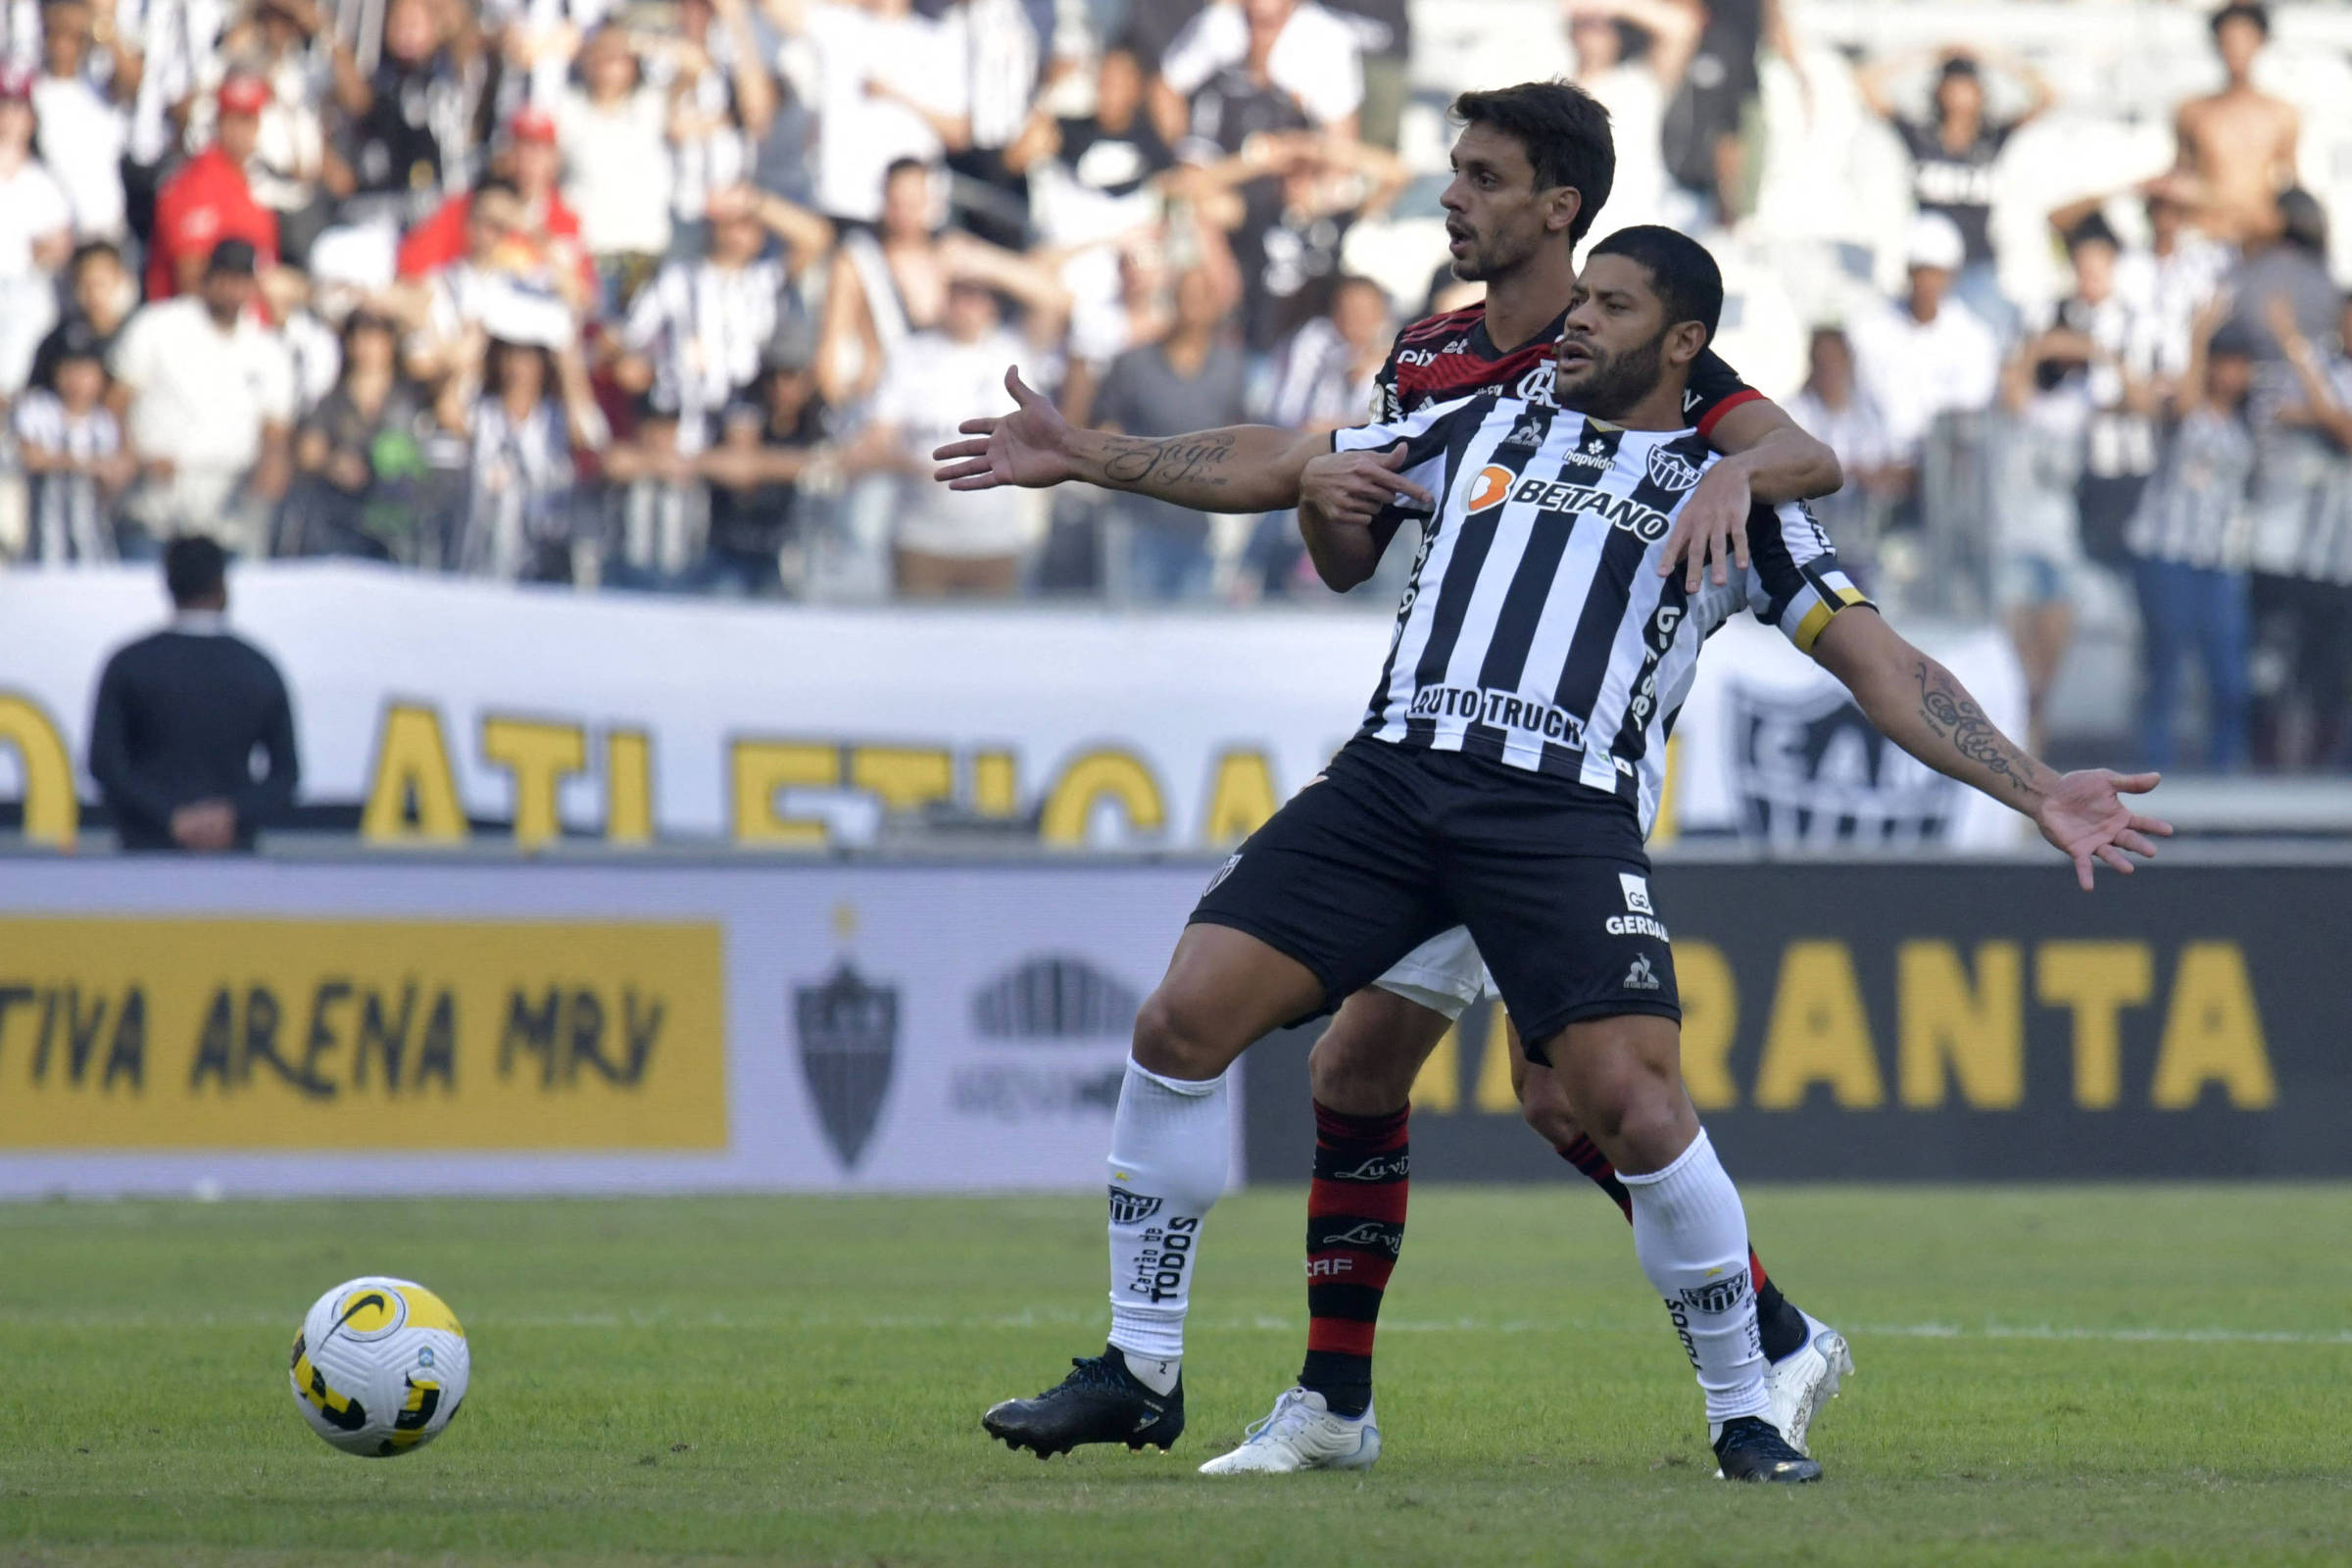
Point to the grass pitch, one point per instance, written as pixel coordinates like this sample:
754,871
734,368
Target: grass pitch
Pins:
2047,1375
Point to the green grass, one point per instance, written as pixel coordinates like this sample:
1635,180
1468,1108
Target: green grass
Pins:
2049,1375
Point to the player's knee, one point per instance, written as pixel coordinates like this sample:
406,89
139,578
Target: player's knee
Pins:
1178,1038
1346,1073
1543,1106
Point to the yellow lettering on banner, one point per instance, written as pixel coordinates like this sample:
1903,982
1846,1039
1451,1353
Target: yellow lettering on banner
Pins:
52,809
1710,1023
411,774
1978,1031
539,757
1240,797
2097,980
763,767
996,786
354,1035
1819,1033
1438,1087
905,778
628,787
2212,1033
1120,776
1494,1091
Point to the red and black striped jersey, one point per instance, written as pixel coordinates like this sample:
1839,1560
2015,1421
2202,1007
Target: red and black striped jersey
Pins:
1442,358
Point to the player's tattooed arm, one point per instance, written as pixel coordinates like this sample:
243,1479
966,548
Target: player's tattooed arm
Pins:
1954,715
1918,705
1242,467
1176,459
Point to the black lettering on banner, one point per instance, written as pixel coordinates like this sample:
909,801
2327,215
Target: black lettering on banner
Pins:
437,1053
387,1040
644,1031
262,1016
10,996
127,1058
530,1027
215,1043
319,1039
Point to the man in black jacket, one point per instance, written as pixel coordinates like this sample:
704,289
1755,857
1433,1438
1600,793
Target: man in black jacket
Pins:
179,714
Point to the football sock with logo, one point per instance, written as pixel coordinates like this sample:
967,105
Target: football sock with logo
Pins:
1782,1325
1691,1236
1355,1230
1171,1144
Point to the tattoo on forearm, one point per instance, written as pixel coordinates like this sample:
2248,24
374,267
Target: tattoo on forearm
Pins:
1178,459
1952,714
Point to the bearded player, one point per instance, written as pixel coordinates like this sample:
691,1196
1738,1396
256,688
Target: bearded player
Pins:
1531,168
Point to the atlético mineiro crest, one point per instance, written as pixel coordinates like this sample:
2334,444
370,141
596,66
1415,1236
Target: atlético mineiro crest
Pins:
1671,470
849,1036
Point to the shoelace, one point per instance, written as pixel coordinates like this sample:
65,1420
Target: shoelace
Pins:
1290,1413
1090,1372
1757,1436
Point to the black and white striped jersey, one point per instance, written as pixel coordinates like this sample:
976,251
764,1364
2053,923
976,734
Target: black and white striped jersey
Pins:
1536,629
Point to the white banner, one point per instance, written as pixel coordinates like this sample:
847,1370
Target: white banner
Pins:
373,1027
422,704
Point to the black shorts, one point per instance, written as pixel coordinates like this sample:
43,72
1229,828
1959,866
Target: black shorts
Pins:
1391,846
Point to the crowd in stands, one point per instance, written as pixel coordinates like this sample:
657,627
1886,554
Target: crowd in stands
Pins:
677,295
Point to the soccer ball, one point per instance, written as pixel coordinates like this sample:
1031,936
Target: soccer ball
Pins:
380,1366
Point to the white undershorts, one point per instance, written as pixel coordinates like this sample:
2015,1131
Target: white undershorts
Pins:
1444,974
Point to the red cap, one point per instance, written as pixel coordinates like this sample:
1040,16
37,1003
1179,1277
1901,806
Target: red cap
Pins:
15,85
242,94
531,124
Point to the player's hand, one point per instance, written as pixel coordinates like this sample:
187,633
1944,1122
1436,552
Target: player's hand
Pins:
1029,446
1711,528
1356,486
2085,818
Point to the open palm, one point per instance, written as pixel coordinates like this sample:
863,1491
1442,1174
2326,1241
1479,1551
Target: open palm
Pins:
1028,447
2085,818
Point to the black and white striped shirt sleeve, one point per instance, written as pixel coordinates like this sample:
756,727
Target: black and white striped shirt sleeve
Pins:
1794,579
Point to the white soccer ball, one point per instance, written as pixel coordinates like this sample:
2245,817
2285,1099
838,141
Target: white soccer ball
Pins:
380,1367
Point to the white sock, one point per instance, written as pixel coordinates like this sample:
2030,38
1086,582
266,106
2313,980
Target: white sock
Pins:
1691,1236
1171,1144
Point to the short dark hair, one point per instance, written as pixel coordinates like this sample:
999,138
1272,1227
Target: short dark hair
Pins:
1565,134
900,165
89,248
194,567
2242,10
2092,231
1686,277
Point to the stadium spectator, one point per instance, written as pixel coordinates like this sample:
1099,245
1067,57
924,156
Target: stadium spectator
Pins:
1834,408
409,124
1101,330
536,42
615,131
774,444
890,87
527,429
85,132
1927,354
179,716
71,448
2237,146
209,201
1631,56
695,337
359,456
1954,155
1246,66
530,167
36,236
1286,203
1711,121
2302,583
1193,378
2037,442
2189,549
1384,41
1094,175
99,298
948,542
211,408
1325,376
724,100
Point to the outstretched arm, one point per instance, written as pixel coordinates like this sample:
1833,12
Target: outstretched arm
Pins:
1241,468
1918,704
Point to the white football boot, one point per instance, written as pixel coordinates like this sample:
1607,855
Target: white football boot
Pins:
1301,1434
1806,1379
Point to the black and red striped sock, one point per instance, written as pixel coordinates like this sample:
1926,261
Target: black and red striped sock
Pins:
1355,1230
1781,1325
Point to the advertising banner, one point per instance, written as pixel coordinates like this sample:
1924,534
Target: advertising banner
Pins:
388,1024
1907,1020
432,710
